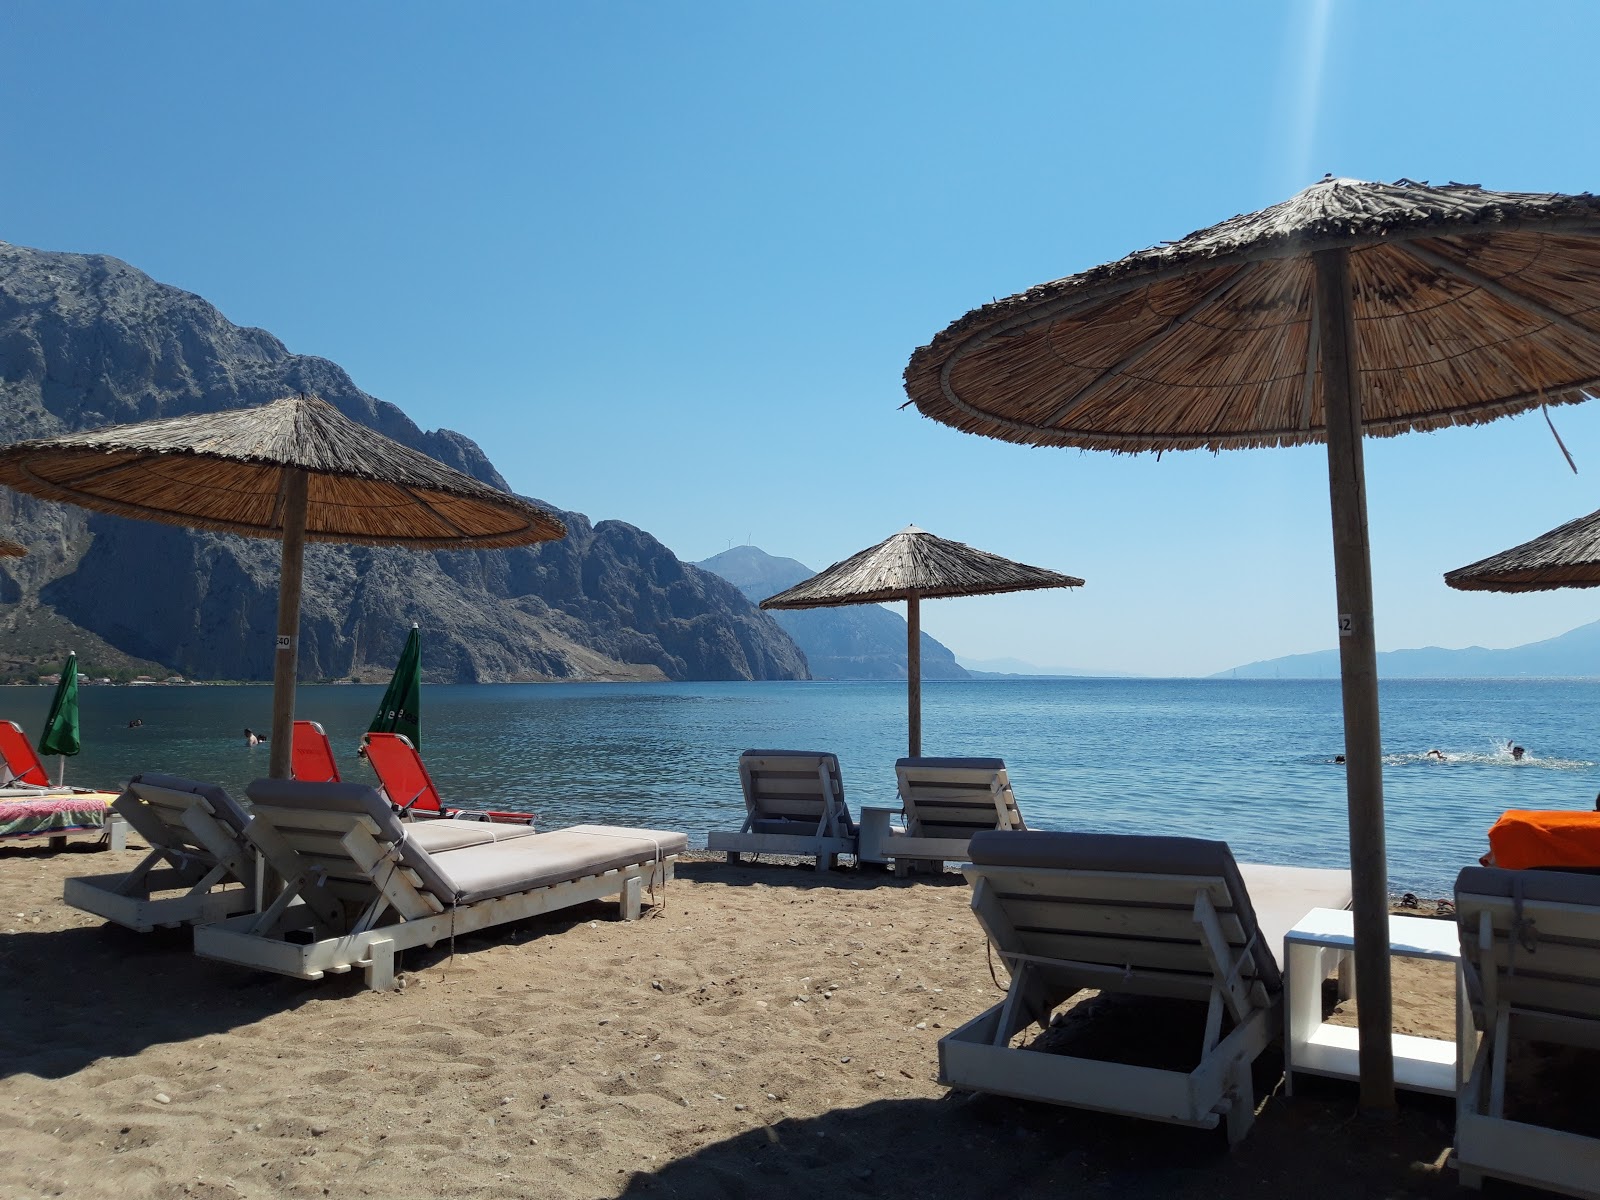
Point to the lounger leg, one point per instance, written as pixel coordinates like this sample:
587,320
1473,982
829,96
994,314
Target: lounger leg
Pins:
733,857
827,862
1469,1178
380,966
117,828
1242,1114
632,894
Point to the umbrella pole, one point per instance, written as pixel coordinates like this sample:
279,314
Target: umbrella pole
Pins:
914,676
287,658
1358,673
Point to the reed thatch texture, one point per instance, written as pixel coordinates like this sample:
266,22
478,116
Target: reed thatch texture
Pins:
916,563
1468,304
1568,556
9,549
224,471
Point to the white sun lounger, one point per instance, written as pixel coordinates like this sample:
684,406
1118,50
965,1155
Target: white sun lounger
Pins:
1144,916
198,869
794,804
946,801
358,888
1530,948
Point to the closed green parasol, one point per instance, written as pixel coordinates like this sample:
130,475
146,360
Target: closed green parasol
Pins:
60,734
401,708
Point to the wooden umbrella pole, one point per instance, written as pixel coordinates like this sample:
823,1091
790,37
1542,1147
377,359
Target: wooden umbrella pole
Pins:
287,657
913,676
1358,671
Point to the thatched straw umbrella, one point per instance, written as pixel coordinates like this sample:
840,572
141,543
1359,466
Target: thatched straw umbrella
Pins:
914,566
293,469
1351,308
1565,557
9,549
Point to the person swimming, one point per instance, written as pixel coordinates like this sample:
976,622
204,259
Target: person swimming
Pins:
251,737
1516,753
1438,754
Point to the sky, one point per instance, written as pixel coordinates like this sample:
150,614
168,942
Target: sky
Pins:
666,262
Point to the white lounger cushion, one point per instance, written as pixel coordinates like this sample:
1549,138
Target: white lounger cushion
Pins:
1282,896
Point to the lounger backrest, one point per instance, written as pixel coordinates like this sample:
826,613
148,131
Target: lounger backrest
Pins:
18,762
310,820
1117,901
162,807
956,797
1530,942
401,774
793,785
311,757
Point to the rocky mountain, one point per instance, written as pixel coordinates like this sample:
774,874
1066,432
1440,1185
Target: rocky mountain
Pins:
86,340
862,641
1575,653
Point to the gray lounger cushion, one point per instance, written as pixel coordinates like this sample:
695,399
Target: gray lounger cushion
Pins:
225,806
1556,887
1132,854
959,764
500,869
438,836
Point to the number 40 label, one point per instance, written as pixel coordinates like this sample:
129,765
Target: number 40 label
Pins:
285,641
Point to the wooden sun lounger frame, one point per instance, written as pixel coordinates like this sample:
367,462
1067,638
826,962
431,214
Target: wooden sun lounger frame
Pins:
832,836
1568,948
230,882
908,848
313,839
978,1056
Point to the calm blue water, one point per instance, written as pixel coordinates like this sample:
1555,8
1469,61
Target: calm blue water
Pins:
1248,761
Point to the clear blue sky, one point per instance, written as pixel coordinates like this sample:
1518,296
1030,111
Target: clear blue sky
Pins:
666,262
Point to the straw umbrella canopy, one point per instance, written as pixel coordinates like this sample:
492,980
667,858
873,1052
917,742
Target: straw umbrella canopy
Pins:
294,469
913,566
1568,556
1350,308
9,549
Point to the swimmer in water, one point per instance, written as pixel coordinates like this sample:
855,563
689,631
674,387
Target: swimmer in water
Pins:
1516,753
251,738
1339,758
1438,754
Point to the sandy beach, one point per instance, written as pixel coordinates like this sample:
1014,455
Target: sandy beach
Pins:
768,1031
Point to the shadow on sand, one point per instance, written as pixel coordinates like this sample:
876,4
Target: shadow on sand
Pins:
964,1146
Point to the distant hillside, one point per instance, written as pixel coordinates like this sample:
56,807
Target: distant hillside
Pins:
1574,653
863,641
87,341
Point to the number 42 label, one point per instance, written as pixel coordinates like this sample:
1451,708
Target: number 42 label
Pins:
1347,625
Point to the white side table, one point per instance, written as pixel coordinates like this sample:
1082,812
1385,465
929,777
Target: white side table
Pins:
874,831
1420,1064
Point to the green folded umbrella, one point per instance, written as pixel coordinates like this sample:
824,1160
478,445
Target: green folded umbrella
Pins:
60,734
401,709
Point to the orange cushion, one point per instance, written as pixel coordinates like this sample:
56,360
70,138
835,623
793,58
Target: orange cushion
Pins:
1524,838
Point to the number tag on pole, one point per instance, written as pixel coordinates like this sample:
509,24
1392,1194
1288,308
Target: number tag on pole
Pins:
1347,625
285,641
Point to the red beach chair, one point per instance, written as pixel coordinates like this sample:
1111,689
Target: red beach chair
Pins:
18,762
407,784
311,755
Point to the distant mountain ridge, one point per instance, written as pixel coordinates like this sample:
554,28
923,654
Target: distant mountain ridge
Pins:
1575,653
88,341
859,641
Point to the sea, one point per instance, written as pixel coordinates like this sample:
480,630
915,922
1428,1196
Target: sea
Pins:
1252,762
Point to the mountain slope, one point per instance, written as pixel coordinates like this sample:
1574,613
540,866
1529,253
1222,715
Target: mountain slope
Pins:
86,340
862,641
1574,653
